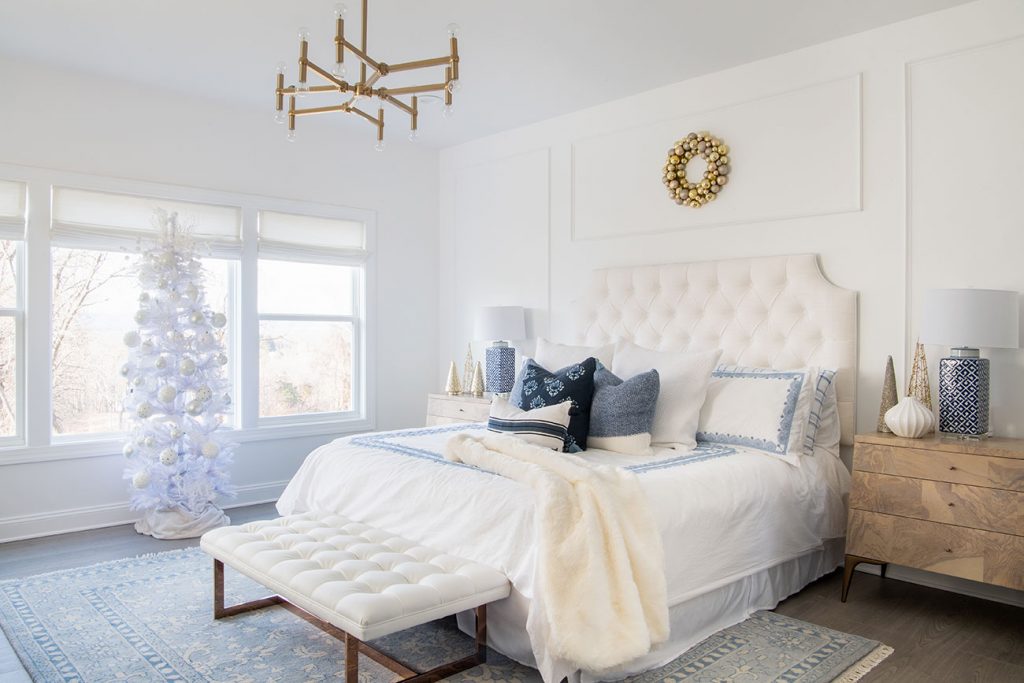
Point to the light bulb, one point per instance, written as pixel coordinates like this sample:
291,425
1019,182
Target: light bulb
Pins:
339,70
414,135
448,111
340,9
302,89
454,86
303,33
282,68
279,117
291,136
379,146
453,30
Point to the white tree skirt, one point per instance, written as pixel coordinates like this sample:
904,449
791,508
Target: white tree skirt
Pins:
180,523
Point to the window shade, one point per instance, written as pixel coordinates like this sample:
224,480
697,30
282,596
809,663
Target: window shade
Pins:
312,238
12,210
117,220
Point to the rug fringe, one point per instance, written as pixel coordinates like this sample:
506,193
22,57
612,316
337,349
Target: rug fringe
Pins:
144,556
865,664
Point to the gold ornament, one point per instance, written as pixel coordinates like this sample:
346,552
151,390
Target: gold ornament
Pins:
920,387
709,148
478,381
453,387
467,367
889,396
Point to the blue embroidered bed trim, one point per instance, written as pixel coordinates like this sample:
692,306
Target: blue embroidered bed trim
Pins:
785,424
385,441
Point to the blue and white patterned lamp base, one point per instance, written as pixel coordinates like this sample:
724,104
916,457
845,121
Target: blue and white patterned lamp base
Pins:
501,368
963,396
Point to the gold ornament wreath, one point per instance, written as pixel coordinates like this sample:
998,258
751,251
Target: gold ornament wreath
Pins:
710,149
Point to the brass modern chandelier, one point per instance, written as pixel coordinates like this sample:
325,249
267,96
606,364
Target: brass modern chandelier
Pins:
366,89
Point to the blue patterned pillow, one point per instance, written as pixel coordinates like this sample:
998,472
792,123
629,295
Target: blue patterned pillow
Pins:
541,387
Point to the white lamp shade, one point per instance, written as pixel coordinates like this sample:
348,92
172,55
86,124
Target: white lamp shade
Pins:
971,318
500,323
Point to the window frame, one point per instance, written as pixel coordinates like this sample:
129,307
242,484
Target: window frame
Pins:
36,442
17,314
354,318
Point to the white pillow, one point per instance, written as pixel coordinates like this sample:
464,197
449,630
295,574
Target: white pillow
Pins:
684,383
552,356
760,408
547,426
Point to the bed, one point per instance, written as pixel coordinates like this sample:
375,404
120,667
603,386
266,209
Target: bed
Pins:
741,530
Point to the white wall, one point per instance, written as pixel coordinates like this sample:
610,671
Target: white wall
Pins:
67,121
893,154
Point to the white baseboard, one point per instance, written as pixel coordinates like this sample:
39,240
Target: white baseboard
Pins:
946,583
20,527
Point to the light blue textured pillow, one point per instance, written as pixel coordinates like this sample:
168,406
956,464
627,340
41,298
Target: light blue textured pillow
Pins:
622,412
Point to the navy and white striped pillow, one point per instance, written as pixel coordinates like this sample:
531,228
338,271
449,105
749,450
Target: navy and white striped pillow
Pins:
547,426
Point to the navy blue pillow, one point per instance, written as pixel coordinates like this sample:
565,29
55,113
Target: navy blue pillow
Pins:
541,387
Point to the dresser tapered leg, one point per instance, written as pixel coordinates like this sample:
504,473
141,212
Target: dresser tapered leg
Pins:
849,564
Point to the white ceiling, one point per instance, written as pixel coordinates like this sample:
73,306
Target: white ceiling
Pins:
521,61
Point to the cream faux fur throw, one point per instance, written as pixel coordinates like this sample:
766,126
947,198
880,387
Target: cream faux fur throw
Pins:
600,562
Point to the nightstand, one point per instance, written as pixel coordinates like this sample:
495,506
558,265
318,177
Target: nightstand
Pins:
943,505
445,409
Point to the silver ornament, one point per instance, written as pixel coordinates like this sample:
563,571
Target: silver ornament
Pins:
219,320
140,480
149,442
168,456
160,362
210,450
194,408
167,393
128,450
144,410
132,339
196,318
187,366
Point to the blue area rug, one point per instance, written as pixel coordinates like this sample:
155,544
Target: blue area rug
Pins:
149,619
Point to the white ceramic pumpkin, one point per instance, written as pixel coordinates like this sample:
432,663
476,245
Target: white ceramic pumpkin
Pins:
910,418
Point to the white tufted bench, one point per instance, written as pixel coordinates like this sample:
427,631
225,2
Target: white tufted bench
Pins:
355,582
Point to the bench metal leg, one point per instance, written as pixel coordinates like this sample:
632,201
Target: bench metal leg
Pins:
354,646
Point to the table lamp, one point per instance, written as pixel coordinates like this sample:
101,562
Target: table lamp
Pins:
500,324
966,320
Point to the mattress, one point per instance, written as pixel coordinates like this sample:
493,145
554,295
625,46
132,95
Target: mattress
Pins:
729,518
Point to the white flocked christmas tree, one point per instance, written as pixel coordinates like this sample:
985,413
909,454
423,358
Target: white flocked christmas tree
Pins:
177,394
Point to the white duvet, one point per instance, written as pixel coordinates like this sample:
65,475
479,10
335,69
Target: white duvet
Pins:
723,512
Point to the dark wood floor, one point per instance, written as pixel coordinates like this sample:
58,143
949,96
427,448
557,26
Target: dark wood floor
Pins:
937,636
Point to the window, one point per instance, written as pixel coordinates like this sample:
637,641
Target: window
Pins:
94,296
309,301
291,277
12,229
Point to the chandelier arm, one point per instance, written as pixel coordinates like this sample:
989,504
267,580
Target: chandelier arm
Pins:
419,64
397,103
320,110
413,89
290,90
342,86
368,117
363,57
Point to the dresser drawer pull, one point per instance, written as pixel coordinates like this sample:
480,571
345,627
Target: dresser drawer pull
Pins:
949,550
462,410
952,468
951,505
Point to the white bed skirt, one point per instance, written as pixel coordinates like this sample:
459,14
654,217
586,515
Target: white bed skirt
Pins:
692,620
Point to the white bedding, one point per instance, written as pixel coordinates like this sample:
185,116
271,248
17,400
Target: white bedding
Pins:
724,513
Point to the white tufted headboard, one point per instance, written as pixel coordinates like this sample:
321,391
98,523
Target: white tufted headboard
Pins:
774,311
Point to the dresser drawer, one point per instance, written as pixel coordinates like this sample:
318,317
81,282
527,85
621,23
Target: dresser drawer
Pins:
458,411
951,550
968,506
955,468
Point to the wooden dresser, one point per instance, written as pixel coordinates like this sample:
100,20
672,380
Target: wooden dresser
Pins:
445,409
944,505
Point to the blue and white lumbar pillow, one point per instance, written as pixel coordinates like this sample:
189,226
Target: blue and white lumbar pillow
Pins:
823,420
540,387
547,426
760,408
622,412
